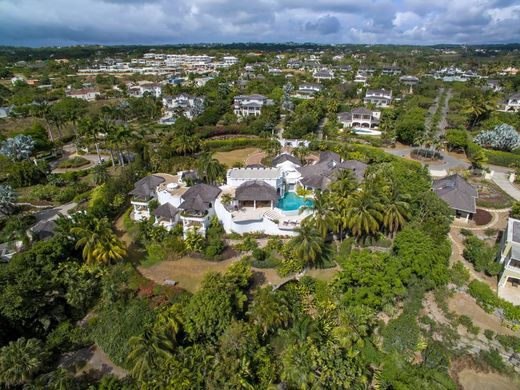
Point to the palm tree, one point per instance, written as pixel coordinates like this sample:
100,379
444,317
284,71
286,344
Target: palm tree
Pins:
396,210
308,245
210,170
43,111
269,311
185,144
100,174
148,350
106,127
478,108
20,360
363,214
322,217
89,129
99,242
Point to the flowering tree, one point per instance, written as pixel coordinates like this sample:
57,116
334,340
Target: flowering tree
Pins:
17,148
502,137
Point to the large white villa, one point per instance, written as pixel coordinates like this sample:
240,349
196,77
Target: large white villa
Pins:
253,199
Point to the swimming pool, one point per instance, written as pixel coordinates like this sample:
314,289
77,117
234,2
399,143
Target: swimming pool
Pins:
292,202
361,131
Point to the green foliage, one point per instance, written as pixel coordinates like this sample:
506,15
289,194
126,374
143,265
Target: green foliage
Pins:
515,209
67,337
457,139
493,359
468,324
504,159
489,301
21,360
509,342
114,325
74,162
459,275
410,125
482,256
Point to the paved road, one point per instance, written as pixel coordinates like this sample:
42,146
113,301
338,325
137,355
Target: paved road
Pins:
450,162
52,214
501,179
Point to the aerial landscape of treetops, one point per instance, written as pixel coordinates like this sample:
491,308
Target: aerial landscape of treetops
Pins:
259,216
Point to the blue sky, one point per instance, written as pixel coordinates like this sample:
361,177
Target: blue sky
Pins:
69,22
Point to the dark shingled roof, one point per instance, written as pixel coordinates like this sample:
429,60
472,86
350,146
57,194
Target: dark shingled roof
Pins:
194,204
285,157
206,192
318,182
362,111
358,168
145,188
255,166
256,190
329,156
166,210
44,229
457,193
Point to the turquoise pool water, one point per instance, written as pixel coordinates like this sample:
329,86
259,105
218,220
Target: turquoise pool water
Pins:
291,202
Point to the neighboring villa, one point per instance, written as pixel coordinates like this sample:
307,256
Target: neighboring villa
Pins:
246,105
153,89
391,71
458,194
323,74
190,106
509,256
409,80
254,199
88,94
308,90
360,117
512,104
361,78
379,97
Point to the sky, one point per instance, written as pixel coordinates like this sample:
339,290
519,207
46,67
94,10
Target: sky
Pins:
421,22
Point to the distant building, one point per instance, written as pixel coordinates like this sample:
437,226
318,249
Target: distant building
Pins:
246,105
191,106
323,74
152,89
308,90
360,117
391,71
409,80
88,94
379,97
512,103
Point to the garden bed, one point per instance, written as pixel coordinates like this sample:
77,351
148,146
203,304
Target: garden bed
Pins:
482,217
74,162
490,195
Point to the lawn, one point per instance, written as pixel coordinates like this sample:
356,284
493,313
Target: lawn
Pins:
490,195
233,156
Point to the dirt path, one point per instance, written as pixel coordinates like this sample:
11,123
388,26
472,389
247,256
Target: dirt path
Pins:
463,304
91,359
473,380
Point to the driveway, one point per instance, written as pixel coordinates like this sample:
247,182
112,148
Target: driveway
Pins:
501,179
448,162
52,214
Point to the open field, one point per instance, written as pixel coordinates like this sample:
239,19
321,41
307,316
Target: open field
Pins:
233,156
473,380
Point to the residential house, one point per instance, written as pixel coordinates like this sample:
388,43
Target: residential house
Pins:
458,194
323,74
190,106
88,94
379,97
152,89
493,85
512,103
391,71
246,105
409,80
509,257
197,207
230,60
360,117
308,90
361,78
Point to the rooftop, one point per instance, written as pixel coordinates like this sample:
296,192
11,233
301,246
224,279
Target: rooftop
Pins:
254,173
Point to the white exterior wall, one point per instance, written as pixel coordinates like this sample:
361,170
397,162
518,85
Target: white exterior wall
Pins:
165,197
265,226
234,182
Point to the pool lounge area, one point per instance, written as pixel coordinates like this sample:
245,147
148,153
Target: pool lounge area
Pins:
292,202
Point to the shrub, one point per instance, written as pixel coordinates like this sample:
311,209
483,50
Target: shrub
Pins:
489,334
259,254
468,324
509,342
247,244
459,274
481,255
504,159
485,297
515,209
502,137
493,359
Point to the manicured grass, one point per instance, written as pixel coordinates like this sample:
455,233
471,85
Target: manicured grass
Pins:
233,156
491,196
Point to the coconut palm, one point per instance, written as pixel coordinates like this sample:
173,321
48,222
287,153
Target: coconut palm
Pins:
209,169
309,245
148,351
98,241
20,360
100,174
322,218
88,129
269,311
364,213
396,210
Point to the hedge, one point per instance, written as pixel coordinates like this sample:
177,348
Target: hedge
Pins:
504,159
489,301
225,145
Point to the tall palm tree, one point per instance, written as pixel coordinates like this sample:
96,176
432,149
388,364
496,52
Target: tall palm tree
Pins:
269,311
89,129
396,210
98,241
309,245
43,111
322,218
364,213
209,168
